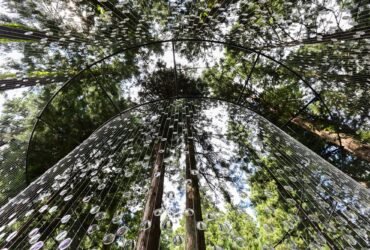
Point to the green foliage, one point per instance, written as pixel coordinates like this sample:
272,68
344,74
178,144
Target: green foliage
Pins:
163,84
232,230
54,137
365,136
11,40
16,25
274,216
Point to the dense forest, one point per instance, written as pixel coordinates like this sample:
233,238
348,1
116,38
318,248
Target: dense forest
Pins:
302,65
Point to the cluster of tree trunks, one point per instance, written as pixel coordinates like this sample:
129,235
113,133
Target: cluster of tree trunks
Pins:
194,238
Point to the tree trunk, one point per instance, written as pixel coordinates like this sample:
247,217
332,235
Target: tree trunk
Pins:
7,84
194,238
19,34
150,238
349,143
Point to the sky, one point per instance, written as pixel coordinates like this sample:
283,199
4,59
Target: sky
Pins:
11,94
5,57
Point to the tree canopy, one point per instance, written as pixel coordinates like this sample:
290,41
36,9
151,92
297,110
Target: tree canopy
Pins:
70,67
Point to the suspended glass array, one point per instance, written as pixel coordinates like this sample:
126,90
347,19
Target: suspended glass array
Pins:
189,172
176,171
45,43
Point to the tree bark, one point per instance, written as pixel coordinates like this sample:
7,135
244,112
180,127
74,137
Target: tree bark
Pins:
194,237
7,84
19,33
150,238
349,143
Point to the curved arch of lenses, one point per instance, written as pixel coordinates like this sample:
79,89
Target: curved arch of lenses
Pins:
95,195
229,44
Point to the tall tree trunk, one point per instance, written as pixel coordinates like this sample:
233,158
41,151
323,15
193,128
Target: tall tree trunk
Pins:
150,238
6,84
349,143
194,238
19,34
